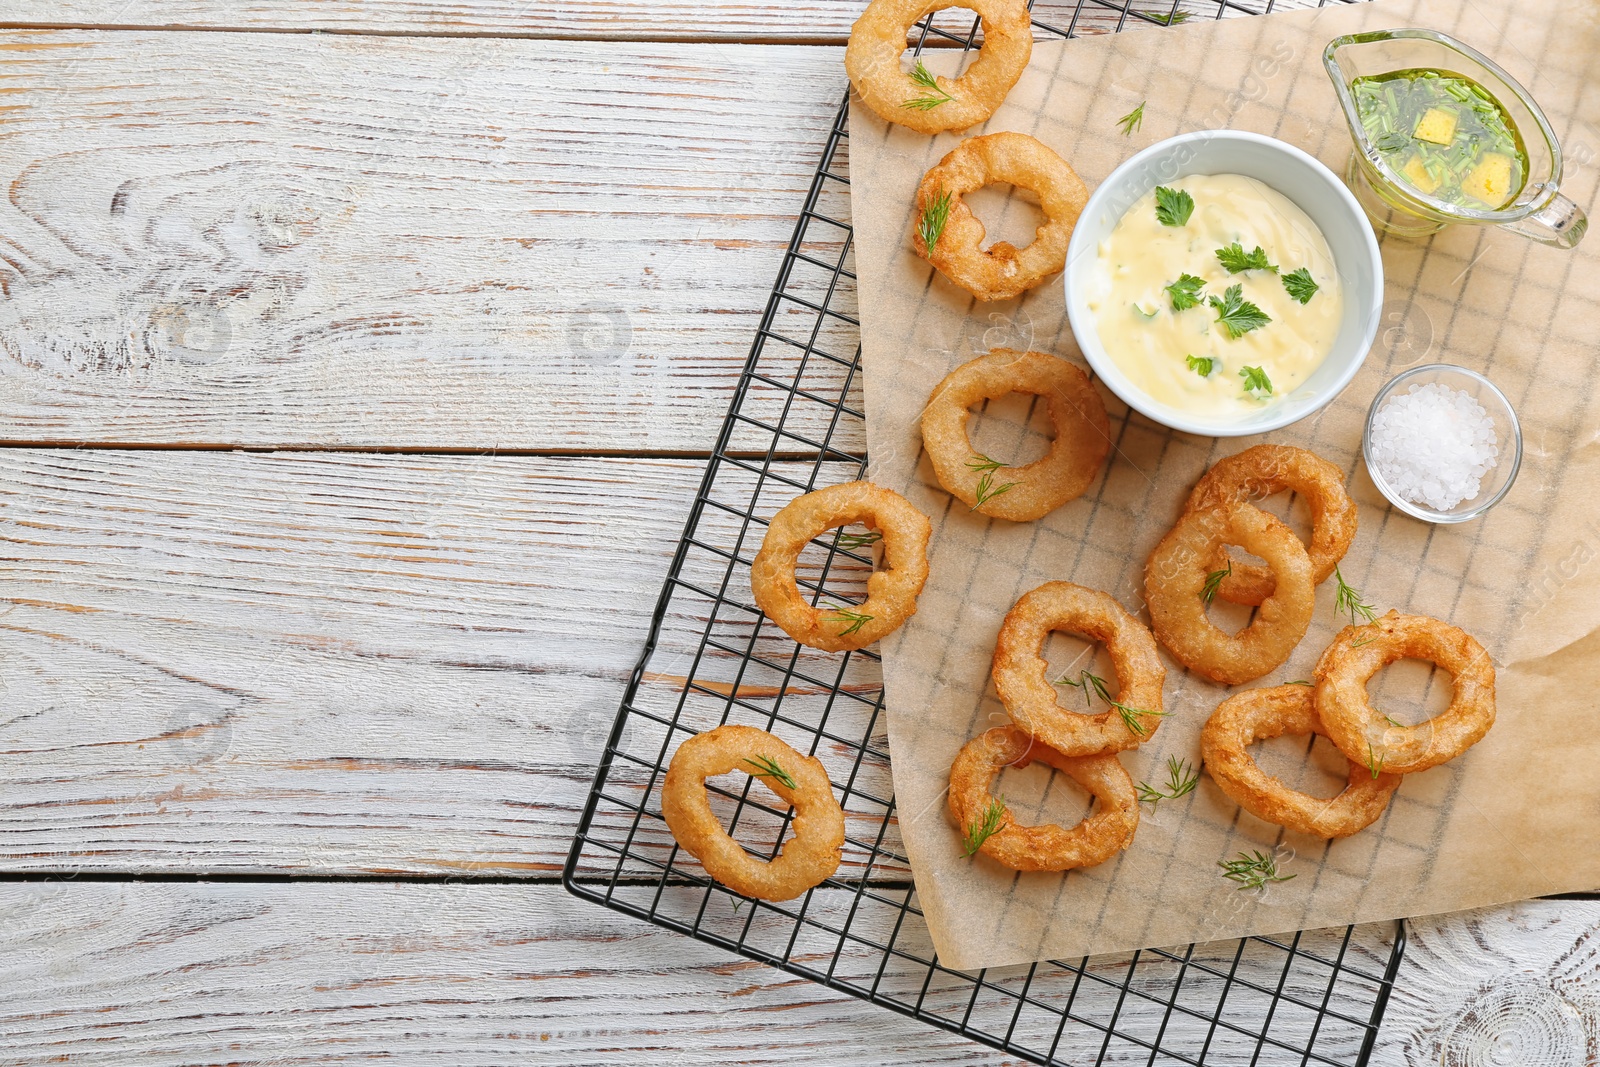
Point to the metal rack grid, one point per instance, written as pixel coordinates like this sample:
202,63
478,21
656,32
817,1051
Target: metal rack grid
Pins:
797,423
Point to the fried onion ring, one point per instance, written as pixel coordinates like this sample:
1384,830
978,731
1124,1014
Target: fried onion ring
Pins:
1175,579
1003,271
891,592
872,59
1359,652
1020,672
1083,434
812,854
1257,714
1049,847
1262,471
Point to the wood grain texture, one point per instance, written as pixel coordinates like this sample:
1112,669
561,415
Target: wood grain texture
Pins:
330,241
809,20
160,975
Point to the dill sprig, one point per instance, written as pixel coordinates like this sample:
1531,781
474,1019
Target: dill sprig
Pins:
1132,120
1208,592
1173,19
1095,686
856,619
934,218
1301,681
987,490
1252,870
934,95
987,826
1374,760
1351,601
767,768
865,540
1181,780
981,462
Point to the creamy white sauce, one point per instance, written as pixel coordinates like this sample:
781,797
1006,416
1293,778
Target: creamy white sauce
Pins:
1142,256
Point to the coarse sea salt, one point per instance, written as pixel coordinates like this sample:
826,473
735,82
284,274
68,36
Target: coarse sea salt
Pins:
1433,444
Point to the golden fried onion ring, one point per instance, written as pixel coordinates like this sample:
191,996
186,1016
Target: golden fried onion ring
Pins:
1003,271
1258,714
1048,847
872,59
1359,652
809,857
1175,579
1021,674
1083,433
891,592
1262,471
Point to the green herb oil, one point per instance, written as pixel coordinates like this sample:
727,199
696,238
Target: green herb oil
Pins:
1445,135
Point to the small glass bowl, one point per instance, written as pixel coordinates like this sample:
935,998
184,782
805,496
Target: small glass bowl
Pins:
1508,438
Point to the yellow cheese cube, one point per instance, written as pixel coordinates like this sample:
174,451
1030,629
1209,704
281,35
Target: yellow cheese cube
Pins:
1490,180
1417,174
1438,126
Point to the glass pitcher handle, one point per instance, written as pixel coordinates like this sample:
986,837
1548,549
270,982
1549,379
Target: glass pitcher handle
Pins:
1560,223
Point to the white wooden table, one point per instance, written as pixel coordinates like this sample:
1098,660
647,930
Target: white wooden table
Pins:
356,383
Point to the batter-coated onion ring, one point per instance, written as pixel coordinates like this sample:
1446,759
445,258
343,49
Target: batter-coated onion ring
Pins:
1359,652
1258,714
1083,433
1262,471
891,592
872,59
1175,580
1021,675
1003,271
809,857
1049,847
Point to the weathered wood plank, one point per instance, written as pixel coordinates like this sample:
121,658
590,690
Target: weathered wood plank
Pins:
808,20
333,241
169,974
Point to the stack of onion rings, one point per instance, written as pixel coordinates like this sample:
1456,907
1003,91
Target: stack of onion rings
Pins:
1262,471
891,592
1083,433
1175,580
1020,672
1258,714
1359,652
1003,271
812,855
872,59
1049,847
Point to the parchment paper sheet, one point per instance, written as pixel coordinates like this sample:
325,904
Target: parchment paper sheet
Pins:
1519,815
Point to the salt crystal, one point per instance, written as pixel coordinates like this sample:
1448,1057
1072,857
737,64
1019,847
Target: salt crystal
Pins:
1433,445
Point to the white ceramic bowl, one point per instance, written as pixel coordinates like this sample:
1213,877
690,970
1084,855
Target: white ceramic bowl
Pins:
1318,192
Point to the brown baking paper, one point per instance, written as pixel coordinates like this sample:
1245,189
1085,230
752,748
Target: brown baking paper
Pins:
1518,815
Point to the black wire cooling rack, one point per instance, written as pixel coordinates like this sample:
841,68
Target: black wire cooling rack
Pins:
797,424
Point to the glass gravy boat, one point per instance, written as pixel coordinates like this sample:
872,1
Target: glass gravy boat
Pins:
1539,210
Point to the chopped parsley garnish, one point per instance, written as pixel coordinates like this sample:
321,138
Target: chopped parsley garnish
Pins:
1201,365
1235,314
1300,285
1185,292
1235,259
1256,382
1173,206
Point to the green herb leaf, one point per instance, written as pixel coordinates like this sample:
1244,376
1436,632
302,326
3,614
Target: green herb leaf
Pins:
1145,315
1256,382
1252,870
1132,120
1172,19
1300,681
983,463
1173,206
1300,285
1095,686
855,618
930,99
934,217
1185,292
1235,259
767,768
1201,365
865,540
1374,760
1236,315
1349,600
1208,592
1181,780
987,490
987,826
